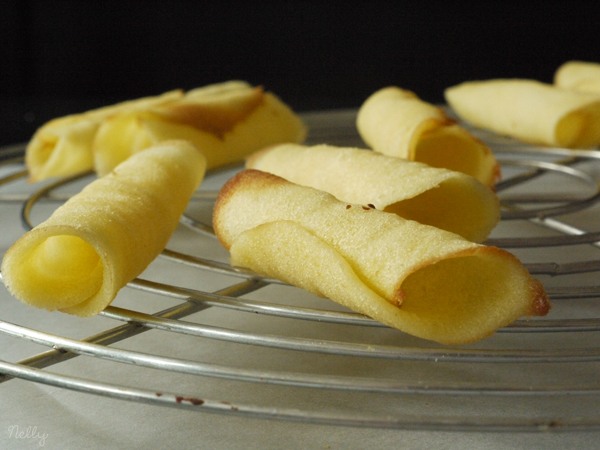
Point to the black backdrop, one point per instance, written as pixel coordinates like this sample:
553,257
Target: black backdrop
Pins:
59,57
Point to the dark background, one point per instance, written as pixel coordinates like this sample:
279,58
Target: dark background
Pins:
59,57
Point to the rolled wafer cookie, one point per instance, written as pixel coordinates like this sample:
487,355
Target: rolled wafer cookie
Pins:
443,198
417,278
530,111
106,235
227,121
63,146
579,76
396,122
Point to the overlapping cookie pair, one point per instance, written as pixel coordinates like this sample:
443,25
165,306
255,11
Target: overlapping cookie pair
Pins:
225,120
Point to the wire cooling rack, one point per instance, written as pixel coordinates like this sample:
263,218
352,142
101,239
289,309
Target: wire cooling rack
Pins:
306,359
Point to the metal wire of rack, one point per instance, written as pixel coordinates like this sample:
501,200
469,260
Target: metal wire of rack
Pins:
524,361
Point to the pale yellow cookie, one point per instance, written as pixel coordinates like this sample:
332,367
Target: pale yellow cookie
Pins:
102,238
530,111
227,121
579,76
397,123
442,198
417,278
63,146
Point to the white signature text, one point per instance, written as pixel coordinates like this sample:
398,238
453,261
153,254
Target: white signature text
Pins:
16,432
